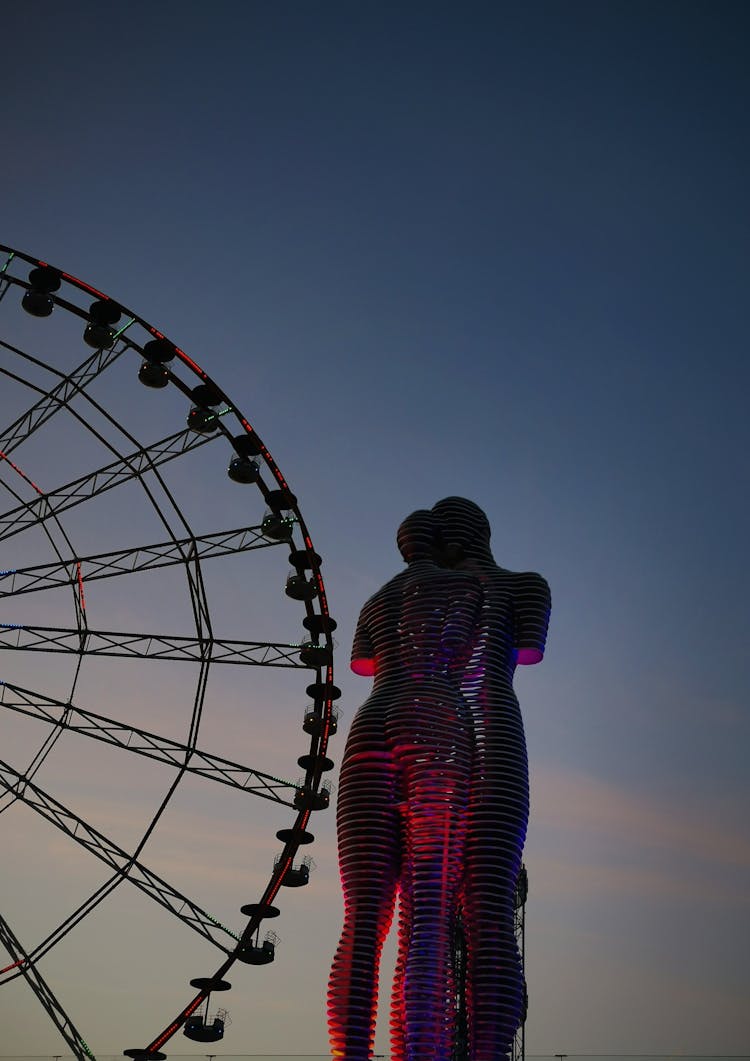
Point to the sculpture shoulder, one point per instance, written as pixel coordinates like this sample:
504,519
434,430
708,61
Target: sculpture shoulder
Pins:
518,584
387,592
530,584
375,625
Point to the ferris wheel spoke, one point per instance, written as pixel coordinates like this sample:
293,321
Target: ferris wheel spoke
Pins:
143,742
149,646
59,396
116,858
52,403
44,993
12,972
129,561
118,472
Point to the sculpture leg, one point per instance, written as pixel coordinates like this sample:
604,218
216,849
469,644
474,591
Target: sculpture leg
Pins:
405,914
495,987
436,783
369,859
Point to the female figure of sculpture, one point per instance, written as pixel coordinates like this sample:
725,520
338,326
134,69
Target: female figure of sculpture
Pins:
402,807
513,629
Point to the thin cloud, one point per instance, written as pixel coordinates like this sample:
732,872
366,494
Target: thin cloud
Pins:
573,801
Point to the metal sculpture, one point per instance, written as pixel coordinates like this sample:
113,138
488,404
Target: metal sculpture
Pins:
442,644
513,630
403,799
91,416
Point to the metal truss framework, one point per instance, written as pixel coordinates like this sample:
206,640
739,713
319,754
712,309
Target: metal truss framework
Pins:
114,856
148,646
129,561
519,926
143,742
86,487
70,571
461,1044
43,992
58,396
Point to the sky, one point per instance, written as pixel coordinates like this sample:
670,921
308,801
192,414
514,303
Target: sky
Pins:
488,249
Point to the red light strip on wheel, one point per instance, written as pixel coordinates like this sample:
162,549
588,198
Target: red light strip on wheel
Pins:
189,361
86,287
270,895
23,475
169,1032
271,462
180,353
326,731
80,587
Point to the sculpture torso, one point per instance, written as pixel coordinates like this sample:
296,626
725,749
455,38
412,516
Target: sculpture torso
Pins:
513,622
418,627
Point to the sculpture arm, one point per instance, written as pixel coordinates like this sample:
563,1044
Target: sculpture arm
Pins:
365,668
363,652
529,656
531,601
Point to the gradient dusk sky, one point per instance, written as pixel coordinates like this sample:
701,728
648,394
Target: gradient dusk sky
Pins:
489,249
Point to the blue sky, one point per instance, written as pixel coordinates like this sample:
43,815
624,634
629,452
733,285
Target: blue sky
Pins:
495,250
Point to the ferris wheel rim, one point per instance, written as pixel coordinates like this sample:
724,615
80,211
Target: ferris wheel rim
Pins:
318,622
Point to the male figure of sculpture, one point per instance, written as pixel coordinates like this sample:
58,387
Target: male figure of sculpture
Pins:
513,629
402,806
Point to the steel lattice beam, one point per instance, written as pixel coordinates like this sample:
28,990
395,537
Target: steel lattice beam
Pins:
44,993
142,742
128,561
147,646
107,477
59,396
115,857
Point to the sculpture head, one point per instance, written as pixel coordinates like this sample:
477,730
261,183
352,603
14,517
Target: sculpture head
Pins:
464,528
417,537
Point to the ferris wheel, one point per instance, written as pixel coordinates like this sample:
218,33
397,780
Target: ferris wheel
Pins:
159,594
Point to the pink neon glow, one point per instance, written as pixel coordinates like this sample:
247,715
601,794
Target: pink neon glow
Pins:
528,656
364,667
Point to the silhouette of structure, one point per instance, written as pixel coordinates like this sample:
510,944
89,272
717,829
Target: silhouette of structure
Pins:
518,1051
461,1041
403,800
90,421
434,798
513,629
